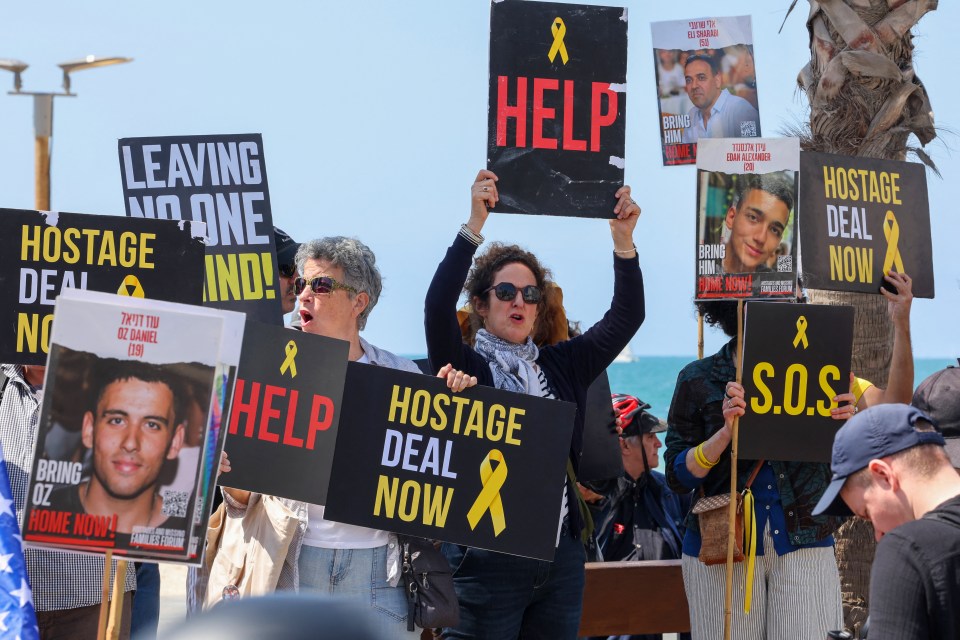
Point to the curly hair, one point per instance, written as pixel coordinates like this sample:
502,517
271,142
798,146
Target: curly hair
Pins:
720,313
481,278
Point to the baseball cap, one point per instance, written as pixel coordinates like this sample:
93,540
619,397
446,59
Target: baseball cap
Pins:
286,247
877,432
939,397
633,418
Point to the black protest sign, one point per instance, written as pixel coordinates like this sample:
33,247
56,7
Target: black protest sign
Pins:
286,407
43,252
601,458
220,180
860,218
796,359
557,111
483,467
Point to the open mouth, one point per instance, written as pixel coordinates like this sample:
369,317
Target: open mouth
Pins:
305,317
516,317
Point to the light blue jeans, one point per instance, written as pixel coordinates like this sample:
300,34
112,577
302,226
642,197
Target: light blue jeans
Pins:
359,574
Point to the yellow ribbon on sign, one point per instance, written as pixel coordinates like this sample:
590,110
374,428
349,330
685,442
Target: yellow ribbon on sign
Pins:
891,231
558,29
489,498
131,287
290,363
801,337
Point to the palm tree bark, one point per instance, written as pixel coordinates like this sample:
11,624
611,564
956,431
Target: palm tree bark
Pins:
865,100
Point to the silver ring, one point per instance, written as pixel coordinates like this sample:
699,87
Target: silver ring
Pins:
855,409
486,188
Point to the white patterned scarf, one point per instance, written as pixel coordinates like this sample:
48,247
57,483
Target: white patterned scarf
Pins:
512,365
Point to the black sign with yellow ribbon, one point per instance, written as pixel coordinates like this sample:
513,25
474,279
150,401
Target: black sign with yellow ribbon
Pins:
861,218
484,467
42,252
282,424
556,127
796,360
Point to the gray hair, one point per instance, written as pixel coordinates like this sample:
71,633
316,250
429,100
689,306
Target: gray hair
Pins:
357,261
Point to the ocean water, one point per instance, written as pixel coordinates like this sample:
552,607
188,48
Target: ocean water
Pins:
653,378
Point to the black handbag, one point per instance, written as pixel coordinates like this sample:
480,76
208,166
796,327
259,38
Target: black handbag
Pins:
428,580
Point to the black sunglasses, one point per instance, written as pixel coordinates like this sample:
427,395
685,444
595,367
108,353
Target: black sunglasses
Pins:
287,270
323,284
507,291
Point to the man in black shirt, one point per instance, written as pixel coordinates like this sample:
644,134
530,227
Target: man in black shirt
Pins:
889,465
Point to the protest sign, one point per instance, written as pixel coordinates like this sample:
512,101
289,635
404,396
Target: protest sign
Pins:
483,467
746,227
796,359
601,458
860,218
557,111
286,408
220,180
42,252
126,382
702,66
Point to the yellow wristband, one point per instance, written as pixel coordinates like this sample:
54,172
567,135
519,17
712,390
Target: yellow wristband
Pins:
701,458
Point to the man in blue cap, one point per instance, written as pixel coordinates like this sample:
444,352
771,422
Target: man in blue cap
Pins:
889,466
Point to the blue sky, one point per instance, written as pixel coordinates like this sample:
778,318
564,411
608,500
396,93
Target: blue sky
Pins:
373,116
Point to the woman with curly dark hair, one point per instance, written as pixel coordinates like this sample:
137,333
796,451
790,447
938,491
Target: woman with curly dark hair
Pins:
503,596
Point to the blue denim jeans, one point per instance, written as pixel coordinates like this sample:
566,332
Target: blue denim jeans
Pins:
146,601
359,574
503,597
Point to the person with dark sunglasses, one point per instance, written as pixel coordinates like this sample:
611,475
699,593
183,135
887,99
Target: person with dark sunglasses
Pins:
509,292
341,284
286,268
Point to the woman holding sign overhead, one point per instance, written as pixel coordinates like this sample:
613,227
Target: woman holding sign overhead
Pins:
341,284
503,596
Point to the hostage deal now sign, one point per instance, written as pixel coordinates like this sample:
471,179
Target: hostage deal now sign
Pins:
484,467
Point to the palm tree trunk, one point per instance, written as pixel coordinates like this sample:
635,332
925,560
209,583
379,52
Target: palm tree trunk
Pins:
865,100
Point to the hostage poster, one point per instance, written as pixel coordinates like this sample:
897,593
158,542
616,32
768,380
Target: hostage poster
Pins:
556,124
43,252
706,83
483,468
126,404
746,244
220,180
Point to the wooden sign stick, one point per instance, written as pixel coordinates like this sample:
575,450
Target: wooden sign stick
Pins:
116,602
732,512
105,600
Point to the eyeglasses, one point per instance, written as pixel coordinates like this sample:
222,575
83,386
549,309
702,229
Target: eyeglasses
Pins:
323,284
507,291
287,270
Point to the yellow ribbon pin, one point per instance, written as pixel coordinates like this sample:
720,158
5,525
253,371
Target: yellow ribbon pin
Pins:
891,231
558,29
131,287
289,362
801,337
489,498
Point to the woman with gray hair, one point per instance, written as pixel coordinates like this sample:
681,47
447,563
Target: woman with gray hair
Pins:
340,285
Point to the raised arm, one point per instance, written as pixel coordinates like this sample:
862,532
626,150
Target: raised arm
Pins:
444,340
900,381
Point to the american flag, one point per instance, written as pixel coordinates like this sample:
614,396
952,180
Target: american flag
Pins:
17,618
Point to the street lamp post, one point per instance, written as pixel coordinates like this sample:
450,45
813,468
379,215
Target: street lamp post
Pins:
43,115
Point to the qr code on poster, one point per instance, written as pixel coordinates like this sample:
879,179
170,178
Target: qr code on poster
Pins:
748,129
174,503
785,263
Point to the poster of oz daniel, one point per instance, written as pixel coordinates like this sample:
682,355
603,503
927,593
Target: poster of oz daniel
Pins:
746,243
125,383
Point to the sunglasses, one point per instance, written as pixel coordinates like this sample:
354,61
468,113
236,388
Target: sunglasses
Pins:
507,291
323,284
287,270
